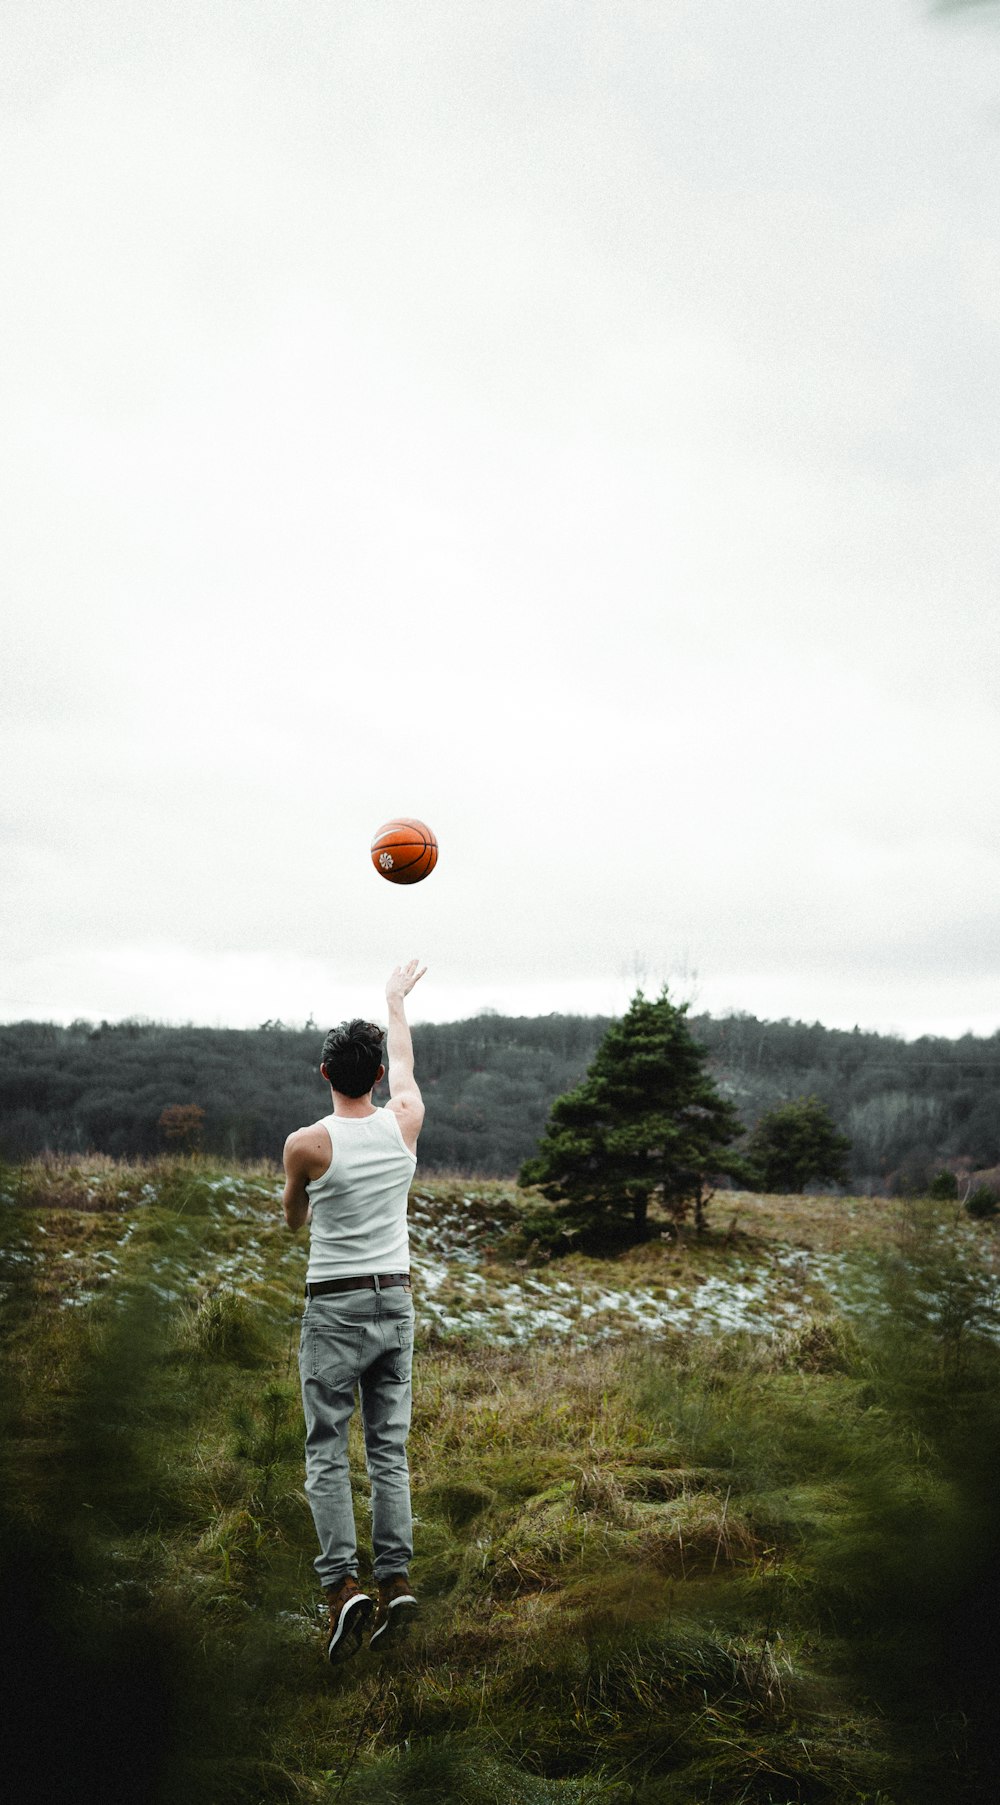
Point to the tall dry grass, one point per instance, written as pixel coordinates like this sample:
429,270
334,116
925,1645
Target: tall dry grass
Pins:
738,1569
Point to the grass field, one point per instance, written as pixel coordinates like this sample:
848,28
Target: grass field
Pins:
710,1522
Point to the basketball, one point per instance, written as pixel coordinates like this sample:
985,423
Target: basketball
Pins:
404,851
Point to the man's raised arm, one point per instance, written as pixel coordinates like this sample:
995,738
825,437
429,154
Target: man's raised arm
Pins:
405,1100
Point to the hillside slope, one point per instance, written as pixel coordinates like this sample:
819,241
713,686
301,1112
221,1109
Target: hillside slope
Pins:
661,1559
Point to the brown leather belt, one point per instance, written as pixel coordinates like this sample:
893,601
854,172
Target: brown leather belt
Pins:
384,1281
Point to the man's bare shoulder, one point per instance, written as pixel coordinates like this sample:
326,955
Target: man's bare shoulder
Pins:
309,1149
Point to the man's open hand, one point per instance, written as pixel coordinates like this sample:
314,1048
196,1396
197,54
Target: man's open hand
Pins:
403,979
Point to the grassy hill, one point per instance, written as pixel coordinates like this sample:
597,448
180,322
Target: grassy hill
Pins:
711,1521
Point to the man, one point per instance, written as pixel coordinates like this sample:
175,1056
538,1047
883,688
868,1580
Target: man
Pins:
348,1176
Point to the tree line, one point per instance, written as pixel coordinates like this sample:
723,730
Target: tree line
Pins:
907,1107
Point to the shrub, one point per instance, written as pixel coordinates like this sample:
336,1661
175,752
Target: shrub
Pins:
226,1326
982,1203
944,1187
181,1125
796,1144
544,1231
818,1344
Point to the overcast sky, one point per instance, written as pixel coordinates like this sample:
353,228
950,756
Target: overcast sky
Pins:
572,423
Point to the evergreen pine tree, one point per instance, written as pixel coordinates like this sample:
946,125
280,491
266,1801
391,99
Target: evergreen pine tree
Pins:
646,1120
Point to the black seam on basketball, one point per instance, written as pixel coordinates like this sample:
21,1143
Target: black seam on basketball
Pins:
407,874
398,846
398,864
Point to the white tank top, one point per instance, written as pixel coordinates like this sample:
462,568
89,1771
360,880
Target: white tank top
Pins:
359,1205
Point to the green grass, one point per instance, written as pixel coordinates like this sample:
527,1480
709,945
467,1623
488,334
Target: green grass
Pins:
698,1570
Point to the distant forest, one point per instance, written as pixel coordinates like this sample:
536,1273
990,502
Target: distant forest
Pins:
908,1106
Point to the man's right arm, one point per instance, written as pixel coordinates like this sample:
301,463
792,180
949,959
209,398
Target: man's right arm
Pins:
306,1156
405,1101
297,1175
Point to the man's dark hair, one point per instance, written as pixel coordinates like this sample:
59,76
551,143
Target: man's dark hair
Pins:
352,1054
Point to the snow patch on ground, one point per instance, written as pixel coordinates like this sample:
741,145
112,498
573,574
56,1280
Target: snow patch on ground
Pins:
530,1308
461,1288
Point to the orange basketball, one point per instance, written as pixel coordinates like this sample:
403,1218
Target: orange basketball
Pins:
404,851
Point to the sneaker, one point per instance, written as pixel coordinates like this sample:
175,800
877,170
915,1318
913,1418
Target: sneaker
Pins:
397,1608
350,1609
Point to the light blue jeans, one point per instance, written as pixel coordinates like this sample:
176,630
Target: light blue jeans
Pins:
358,1340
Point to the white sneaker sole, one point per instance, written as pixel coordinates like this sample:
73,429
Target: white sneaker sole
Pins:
346,1638
402,1612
